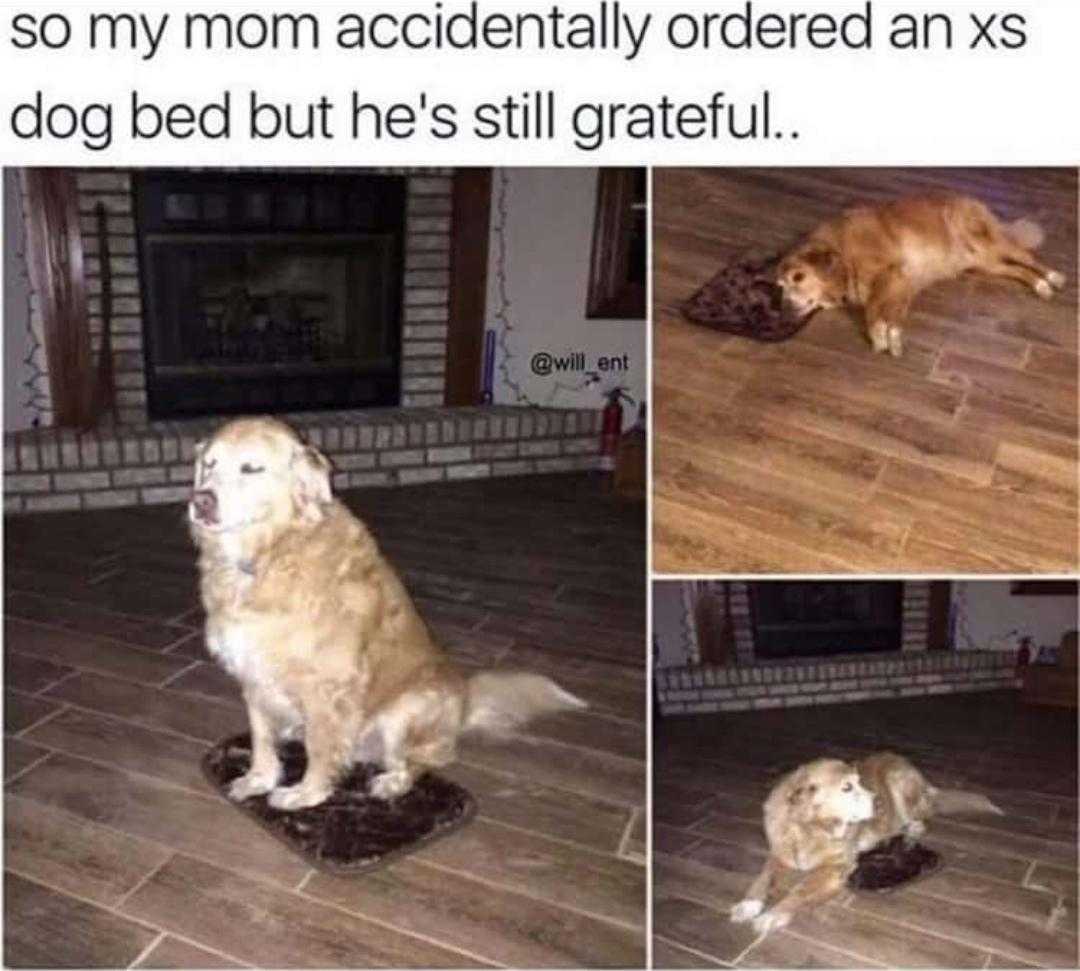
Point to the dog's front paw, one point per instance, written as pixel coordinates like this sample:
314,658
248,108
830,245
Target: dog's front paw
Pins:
771,920
896,341
290,798
251,784
914,829
390,785
746,910
1056,279
1044,288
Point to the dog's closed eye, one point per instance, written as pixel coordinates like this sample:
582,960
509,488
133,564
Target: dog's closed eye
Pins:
248,469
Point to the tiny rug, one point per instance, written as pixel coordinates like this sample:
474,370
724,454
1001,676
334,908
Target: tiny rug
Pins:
743,298
351,832
893,864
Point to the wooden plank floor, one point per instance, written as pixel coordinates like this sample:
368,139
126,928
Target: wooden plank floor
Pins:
815,455
1006,896
117,853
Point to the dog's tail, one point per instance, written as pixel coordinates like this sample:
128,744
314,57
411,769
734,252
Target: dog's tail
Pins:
499,701
950,801
1026,233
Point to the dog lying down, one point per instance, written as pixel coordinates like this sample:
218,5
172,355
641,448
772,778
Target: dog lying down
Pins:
821,816
305,612
879,257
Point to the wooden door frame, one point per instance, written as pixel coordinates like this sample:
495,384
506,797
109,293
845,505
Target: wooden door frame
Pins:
54,253
939,605
470,229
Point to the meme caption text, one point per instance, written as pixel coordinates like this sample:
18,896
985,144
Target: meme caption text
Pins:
604,31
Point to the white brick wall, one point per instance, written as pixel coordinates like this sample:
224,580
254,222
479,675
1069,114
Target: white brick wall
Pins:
832,681
49,469
916,615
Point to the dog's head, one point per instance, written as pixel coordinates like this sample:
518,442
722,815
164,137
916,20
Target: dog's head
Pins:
256,471
812,277
829,790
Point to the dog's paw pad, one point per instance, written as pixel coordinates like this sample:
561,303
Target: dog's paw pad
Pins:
289,798
771,921
249,785
746,910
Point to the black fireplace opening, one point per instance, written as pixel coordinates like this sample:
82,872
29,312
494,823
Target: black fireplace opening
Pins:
270,292
814,619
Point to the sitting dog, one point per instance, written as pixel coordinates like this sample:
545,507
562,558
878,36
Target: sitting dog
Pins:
304,611
880,257
821,816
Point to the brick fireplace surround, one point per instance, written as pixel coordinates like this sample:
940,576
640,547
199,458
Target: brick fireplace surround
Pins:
752,683
138,461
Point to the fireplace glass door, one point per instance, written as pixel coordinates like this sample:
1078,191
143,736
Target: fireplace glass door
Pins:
813,619
257,299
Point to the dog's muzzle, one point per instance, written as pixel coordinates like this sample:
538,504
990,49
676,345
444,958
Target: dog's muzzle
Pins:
799,310
204,507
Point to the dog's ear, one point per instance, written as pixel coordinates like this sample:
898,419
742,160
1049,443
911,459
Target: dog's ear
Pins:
200,450
311,481
801,798
827,262
823,257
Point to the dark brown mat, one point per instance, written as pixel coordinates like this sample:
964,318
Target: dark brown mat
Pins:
893,864
351,832
743,298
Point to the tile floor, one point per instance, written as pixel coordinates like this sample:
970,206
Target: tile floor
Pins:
1006,896
816,456
118,854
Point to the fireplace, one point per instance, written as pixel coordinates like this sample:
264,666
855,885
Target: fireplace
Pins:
809,618
270,292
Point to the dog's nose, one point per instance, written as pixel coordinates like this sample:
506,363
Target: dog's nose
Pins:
204,503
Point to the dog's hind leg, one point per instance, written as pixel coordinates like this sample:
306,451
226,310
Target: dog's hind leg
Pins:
997,252
419,731
911,798
1014,263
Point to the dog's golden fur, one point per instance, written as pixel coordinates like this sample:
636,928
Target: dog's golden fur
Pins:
880,257
304,610
822,815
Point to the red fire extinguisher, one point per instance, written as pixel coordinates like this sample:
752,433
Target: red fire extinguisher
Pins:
611,428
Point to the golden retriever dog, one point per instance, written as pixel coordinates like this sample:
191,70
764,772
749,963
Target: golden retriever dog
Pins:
822,815
305,612
880,257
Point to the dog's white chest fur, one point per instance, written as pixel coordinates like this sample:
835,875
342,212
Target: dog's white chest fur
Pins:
232,646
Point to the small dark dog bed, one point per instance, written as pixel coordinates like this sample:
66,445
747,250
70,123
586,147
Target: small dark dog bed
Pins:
743,298
351,832
892,864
